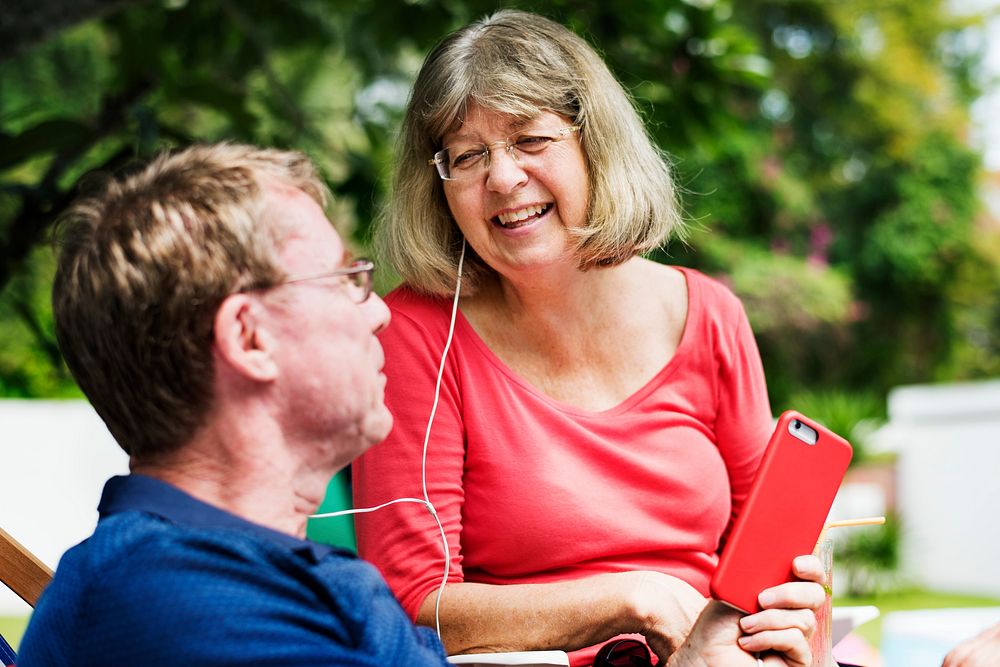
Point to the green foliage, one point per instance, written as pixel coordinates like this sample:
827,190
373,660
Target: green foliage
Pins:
917,243
30,363
821,145
781,293
870,557
852,414
975,300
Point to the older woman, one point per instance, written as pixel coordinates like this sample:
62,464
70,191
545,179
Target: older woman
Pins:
600,416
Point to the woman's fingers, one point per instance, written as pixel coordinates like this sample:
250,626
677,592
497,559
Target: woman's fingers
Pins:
793,595
787,621
789,642
809,568
803,620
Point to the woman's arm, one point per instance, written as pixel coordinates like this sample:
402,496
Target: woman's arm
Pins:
743,423
565,615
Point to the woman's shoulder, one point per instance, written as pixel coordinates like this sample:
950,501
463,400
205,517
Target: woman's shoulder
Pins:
412,309
713,293
412,303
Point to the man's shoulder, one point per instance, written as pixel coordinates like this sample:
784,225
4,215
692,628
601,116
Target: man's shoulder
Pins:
142,590
131,552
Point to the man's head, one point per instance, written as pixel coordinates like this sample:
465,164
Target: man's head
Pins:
148,261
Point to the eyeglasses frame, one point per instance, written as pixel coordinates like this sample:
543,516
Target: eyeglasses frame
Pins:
359,267
438,160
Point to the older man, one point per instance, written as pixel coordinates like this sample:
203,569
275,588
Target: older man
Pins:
219,327
213,317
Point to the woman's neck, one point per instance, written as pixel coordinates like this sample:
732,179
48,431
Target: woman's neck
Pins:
560,294
558,313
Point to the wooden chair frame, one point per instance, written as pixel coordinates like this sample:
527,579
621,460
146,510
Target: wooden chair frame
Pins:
21,571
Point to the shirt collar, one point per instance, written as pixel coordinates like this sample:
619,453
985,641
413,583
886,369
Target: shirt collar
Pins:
154,496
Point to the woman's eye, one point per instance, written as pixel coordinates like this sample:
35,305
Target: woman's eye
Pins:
532,143
466,158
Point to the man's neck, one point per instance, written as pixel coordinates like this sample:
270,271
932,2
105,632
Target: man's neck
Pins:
258,482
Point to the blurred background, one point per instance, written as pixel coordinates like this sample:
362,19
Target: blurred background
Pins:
840,168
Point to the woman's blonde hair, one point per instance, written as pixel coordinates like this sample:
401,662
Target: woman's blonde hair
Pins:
521,64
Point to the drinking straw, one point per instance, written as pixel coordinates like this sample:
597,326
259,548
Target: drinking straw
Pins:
867,521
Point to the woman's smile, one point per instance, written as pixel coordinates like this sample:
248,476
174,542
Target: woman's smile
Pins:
517,218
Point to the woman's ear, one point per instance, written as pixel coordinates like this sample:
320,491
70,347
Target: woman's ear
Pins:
242,339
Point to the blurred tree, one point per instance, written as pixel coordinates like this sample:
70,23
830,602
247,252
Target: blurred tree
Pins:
821,147
870,558
26,22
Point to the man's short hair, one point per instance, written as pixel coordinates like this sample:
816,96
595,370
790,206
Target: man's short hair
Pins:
145,262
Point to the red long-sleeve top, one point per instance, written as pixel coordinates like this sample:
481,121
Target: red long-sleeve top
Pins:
532,490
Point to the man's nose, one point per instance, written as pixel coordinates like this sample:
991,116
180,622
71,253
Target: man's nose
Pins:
377,312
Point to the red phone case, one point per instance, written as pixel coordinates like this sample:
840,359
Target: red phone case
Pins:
783,514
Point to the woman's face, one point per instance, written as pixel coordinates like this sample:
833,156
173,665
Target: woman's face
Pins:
516,213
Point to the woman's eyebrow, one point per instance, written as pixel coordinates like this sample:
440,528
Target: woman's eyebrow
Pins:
519,124
514,126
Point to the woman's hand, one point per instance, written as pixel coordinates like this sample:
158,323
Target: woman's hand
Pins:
721,638
667,608
788,618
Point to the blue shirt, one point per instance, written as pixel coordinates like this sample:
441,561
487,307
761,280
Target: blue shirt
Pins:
169,580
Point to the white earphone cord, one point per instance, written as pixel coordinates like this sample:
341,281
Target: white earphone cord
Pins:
426,501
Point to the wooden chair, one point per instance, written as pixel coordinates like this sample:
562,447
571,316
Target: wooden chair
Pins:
22,573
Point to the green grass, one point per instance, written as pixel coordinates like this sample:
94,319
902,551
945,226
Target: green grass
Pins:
904,600
12,627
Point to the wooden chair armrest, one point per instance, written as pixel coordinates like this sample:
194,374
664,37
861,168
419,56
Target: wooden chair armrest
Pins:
21,571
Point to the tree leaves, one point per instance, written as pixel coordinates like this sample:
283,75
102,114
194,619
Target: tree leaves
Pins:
820,143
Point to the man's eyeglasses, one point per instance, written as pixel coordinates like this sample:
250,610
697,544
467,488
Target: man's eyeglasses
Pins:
623,653
358,274
466,159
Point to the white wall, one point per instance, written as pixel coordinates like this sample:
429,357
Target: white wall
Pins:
54,459
948,440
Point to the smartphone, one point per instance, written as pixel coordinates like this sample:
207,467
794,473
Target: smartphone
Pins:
784,514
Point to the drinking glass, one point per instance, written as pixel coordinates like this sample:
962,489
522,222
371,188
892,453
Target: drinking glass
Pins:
821,644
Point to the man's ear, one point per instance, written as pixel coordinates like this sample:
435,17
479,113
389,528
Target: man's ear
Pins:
242,339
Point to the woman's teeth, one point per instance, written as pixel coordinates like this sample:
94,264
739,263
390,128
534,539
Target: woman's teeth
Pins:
521,216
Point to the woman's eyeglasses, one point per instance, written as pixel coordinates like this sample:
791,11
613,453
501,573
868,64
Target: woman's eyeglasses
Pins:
465,159
623,653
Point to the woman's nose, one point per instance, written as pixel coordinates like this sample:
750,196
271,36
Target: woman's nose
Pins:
504,171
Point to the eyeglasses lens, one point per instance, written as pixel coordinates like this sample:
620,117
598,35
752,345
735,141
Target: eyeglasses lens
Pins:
361,280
